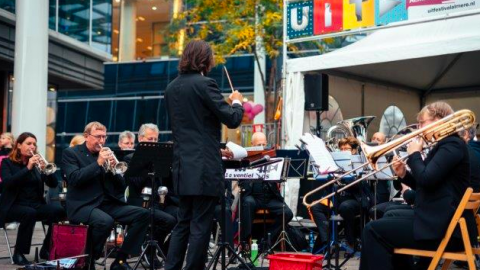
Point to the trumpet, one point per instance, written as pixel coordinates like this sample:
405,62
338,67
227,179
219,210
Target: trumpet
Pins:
431,134
118,167
49,168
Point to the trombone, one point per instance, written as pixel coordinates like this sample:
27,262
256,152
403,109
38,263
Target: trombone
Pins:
431,134
49,168
119,167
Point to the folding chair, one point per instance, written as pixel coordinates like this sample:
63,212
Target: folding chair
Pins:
470,201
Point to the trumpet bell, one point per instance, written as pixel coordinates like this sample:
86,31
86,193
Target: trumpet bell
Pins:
50,168
121,167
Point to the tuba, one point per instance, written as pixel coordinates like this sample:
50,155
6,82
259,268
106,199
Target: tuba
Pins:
431,134
354,127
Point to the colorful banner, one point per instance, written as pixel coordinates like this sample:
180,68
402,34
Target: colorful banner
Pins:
327,16
318,17
358,13
388,11
300,19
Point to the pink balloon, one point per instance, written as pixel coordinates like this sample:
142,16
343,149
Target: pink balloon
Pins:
250,115
258,108
247,106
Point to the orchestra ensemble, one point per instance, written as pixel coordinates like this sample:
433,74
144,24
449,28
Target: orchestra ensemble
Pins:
411,210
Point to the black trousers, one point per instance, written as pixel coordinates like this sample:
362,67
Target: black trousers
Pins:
28,216
195,216
319,215
164,223
250,204
395,230
101,222
385,207
349,209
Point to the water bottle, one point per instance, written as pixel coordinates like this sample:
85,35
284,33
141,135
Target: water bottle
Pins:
254,252
312,241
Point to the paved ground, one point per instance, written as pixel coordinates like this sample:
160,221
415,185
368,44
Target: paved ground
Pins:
352,264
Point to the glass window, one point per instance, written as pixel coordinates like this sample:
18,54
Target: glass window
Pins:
392,121
74,19
124,113
8,5
52,14
146,111
75,113
102,25
100,111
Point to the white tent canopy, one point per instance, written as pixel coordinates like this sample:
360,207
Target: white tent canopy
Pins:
429,56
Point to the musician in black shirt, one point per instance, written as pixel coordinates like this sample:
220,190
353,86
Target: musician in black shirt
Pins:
22,199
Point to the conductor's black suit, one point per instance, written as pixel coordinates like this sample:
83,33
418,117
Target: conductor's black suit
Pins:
91,201
196,110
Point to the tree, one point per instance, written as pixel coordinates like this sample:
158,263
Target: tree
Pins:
232,27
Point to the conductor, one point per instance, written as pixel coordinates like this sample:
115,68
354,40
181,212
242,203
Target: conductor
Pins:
197,109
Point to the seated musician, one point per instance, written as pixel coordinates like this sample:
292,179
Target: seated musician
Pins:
90,199
126,140
349,203
382,185
440,182
262,196
166,212
22,199
467,136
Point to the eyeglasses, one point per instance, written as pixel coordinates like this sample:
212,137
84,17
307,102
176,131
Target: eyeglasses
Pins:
99,137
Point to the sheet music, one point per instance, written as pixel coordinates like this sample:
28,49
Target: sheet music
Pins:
255,148
319,154
238,151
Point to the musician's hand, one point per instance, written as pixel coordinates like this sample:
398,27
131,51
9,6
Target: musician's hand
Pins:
399,167
103,156
236,96
32,161
415,145
227,153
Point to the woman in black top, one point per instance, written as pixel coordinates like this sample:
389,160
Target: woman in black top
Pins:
440,180
22,199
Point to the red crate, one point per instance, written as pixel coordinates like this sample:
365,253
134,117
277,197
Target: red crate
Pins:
295,261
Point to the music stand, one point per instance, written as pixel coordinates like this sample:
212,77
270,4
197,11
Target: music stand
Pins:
382,175
345,161
224,245
150,160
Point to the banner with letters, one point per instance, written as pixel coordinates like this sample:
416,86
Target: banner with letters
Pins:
319,17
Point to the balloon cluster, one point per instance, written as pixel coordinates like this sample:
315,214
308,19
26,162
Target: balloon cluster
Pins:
252,110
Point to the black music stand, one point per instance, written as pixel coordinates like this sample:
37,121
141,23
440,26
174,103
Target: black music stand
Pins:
150,160
224,245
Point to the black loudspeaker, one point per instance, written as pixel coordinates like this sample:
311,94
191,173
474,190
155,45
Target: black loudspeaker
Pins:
316,92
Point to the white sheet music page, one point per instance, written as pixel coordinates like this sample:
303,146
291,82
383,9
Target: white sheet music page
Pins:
238,151
319,153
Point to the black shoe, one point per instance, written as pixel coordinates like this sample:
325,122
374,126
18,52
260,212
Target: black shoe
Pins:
120,265
19,259
44,254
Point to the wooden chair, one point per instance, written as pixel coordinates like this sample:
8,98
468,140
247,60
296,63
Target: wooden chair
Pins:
470,201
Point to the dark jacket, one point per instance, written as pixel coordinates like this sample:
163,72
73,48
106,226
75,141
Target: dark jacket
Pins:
88,184
196,110
247,189
14,176
474,170
440,182
475,145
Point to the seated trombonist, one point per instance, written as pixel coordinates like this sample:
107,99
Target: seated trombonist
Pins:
262,196
91,201
349,203
24,176
164,221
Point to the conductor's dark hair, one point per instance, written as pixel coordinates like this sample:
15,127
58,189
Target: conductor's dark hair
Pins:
197,57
